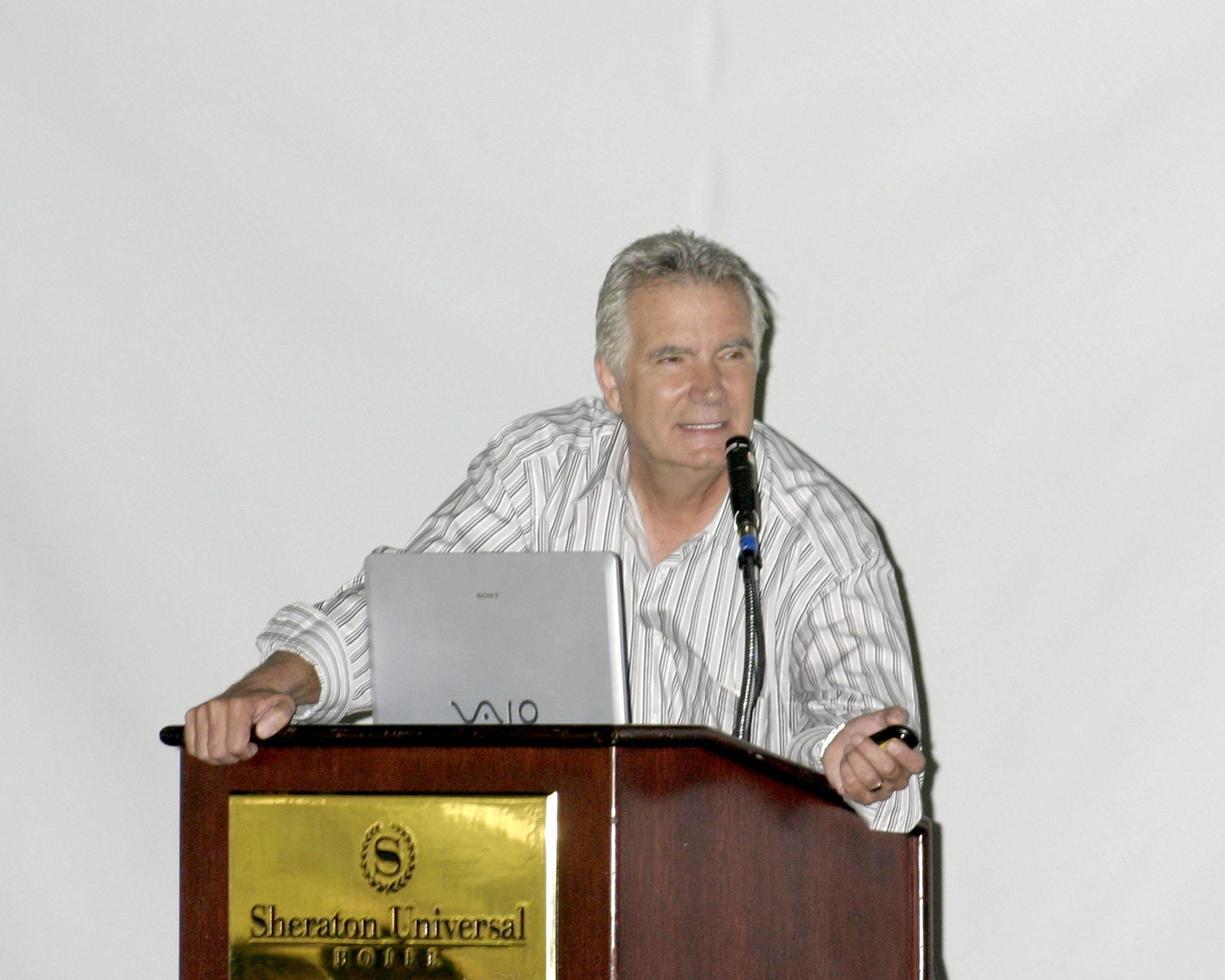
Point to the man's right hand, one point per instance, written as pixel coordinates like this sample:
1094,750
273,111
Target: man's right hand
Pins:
219,731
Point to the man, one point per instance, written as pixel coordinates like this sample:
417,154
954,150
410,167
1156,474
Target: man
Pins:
679,330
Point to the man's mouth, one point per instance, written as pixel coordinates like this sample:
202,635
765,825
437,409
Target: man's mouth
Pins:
701,426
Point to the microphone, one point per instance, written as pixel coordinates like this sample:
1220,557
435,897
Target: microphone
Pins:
742,477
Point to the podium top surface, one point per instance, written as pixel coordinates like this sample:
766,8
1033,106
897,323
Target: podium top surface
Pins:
568,736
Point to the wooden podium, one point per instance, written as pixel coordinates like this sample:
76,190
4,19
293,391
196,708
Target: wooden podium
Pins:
681,853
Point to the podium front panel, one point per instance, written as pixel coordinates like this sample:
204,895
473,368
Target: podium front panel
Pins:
576,781
723,872
680,853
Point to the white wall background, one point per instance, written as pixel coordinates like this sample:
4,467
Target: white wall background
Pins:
272,273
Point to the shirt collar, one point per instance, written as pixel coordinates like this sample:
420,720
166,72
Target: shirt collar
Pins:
612,465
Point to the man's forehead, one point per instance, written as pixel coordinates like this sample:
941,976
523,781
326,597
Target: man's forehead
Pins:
688,302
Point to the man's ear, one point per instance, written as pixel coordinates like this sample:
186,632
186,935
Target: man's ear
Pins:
608,384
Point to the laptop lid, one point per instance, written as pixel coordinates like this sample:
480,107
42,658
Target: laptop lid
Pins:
505,638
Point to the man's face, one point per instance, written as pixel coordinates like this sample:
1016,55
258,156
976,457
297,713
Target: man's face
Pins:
689,379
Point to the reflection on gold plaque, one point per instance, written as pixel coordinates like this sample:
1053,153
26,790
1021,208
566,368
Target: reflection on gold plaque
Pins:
392,887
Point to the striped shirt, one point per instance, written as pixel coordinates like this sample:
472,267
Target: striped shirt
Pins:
836,637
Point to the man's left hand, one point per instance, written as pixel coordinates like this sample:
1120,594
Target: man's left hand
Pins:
863,771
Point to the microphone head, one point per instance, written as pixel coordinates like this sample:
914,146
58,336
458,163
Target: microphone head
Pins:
742,481
737,444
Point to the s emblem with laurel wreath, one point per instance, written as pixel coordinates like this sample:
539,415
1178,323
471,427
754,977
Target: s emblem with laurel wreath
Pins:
388,857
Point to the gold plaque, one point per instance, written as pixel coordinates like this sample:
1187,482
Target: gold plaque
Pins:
392,887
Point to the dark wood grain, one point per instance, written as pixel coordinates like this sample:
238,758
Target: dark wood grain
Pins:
724,873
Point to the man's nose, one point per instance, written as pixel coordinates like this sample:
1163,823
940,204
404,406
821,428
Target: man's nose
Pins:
707,386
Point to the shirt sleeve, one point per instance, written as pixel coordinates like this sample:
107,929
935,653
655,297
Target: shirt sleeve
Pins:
487,512
852,656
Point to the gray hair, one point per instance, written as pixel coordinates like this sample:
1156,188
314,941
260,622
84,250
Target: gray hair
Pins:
673,256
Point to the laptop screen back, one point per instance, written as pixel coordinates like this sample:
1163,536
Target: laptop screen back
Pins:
506,638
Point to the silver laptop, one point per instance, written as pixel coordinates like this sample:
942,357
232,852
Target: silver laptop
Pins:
518,638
